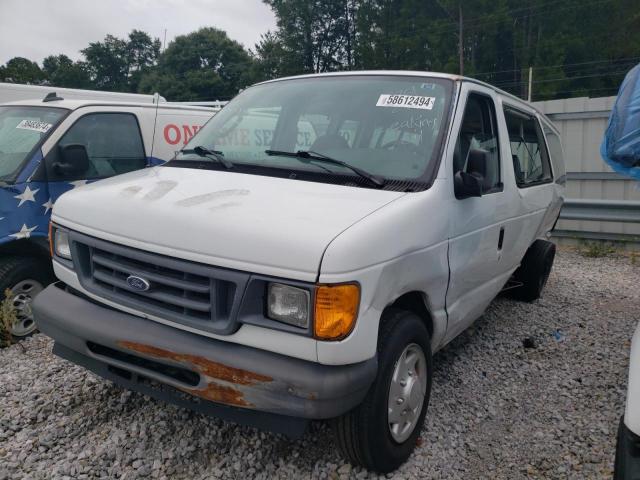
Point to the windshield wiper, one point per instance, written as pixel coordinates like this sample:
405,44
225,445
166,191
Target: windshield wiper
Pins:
211,154
311,156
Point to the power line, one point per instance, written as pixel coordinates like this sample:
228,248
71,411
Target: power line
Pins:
563,65
561,79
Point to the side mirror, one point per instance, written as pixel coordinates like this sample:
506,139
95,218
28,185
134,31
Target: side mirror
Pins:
467,185
471,183
74,160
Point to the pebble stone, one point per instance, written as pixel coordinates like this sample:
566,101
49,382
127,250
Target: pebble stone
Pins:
500,409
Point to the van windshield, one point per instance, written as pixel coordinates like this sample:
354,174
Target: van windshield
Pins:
385,125
21,130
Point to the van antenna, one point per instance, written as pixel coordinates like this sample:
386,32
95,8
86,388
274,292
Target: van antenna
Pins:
52,97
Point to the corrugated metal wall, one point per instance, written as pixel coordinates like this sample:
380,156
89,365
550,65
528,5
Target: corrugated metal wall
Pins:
582,122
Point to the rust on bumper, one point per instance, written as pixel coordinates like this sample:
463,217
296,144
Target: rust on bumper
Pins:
211,373
229,380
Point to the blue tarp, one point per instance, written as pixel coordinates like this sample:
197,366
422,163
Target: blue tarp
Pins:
621,144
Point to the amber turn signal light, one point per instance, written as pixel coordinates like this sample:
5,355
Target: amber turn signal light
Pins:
50,239
336,309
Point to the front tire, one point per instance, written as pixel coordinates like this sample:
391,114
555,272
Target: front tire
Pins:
24,277
381,433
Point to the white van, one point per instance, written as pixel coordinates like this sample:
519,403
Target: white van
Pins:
307,253
52,146
627,466
14,92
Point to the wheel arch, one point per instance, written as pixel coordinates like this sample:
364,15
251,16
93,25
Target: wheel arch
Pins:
36,247
415,302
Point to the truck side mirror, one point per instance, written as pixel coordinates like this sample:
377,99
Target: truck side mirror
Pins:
471,183
74,160
467,185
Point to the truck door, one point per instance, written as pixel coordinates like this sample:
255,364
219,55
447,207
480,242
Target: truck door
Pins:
533,176
111,141
479,225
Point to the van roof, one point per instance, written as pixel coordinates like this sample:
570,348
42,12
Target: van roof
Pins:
416,73
75,104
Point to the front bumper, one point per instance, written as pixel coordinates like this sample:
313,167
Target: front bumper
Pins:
627,454
234,382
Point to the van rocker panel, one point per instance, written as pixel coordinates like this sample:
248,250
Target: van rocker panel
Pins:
213,370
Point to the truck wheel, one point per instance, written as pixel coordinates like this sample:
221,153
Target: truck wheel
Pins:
24,277
534,271
381,433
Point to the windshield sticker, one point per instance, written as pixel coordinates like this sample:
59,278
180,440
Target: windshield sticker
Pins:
34,125
406,101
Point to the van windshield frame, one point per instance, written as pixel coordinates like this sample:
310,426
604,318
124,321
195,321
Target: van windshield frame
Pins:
402,143
30,111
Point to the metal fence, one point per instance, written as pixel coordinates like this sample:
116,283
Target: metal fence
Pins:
600,203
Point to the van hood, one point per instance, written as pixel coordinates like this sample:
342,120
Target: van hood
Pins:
253,223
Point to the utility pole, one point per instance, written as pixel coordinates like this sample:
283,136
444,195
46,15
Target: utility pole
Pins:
460,38
164,42
530,84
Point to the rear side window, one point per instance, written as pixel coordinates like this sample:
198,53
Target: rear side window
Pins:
555,146
528,149
479,132
113,143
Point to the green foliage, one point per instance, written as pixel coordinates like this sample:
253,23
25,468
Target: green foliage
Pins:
21,70
597,249
118,65
61,71
203,65
271,58
7,319
316,35
575,48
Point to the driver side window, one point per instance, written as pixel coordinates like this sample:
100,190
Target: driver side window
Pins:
112,141
479,136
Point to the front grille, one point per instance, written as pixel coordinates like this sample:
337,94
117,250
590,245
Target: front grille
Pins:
179,292
193,294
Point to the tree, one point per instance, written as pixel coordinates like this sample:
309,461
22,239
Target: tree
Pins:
271,60
203,65
107,64
22,70
142,53
316,35
118,65
61,71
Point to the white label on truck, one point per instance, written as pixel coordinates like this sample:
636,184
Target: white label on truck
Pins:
34,125
406,101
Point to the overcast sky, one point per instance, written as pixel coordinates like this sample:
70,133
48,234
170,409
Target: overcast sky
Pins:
37,28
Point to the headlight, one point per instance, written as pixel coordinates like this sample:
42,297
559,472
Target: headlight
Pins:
288,304
61,246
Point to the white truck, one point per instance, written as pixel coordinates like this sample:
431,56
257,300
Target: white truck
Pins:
50,146
309,250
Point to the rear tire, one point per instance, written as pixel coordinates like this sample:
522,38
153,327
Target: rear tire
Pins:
534,271
368,435
25,277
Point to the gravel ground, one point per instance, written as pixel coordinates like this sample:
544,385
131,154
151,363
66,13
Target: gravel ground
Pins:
498,410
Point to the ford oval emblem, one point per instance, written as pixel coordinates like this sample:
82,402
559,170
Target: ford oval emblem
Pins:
138,283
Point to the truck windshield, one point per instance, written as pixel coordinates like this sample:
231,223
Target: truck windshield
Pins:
21,130
386,125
